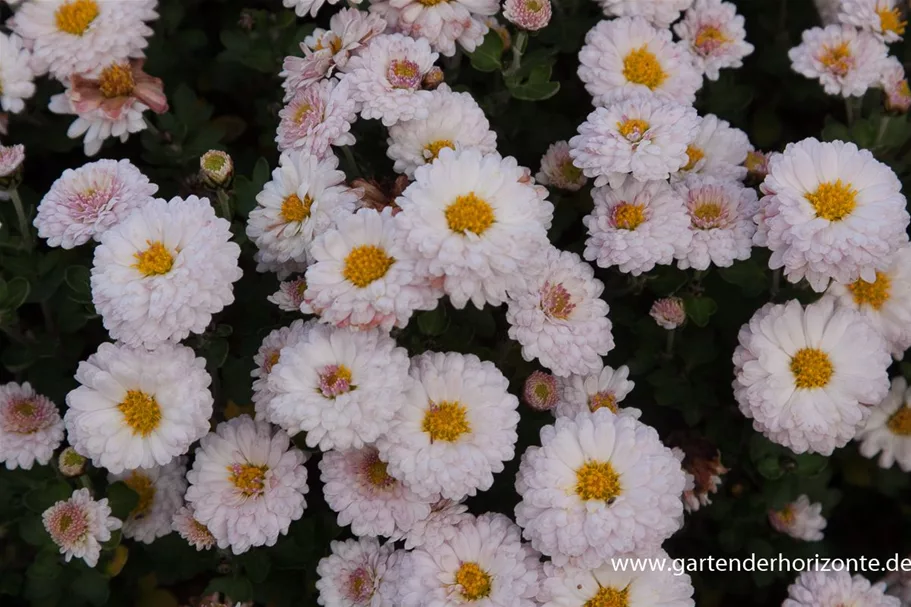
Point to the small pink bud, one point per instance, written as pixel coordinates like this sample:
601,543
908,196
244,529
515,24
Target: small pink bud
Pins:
531,15
540,391
668,312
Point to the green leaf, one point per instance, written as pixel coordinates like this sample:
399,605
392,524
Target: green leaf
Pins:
770,467
256,565
810,464
238,589
32,531
216,352
122,499
699,309
486,57
434,322
92,586
747,275
17,291
535,91
39,500
78,278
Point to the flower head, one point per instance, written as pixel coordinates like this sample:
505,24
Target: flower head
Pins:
216,169
814,588
558,170
661,13
587,393
715,36
540,391
881,17
799,519
888,429
441,22
30,427
894,82
317,116
70,463
195,533
160,490
846,61
531,15
668,312
16,75
80,525
355,573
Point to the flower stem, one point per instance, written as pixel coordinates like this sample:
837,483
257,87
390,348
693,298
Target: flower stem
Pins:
518,47
23,219
224,203
776,282
883,127
669,348
352,163
849,110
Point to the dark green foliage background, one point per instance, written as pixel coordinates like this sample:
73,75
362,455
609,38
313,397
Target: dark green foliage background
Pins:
219,60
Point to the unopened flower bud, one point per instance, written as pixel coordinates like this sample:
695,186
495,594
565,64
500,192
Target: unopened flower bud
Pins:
11,159
668,312
433,78
757,164
71,463
540,391
216,169
531,15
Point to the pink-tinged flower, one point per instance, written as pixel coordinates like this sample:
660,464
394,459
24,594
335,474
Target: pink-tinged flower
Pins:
30,427
290,296
80,525
325,50
110,105
668,312
895,86
195,533
540,392
531,15
317,117
11,158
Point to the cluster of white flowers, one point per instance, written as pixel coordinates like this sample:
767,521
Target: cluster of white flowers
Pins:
849,54
94,48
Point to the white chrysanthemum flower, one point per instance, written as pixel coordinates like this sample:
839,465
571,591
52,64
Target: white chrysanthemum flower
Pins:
718,150
385,78
806,375
894,83
357,486
637,226
16,75
885,302
30,427
888,429
247,484
831,211
800,519
601,485
845,61
195,533
303,199
267,357
162,272
659,12
715,35
160,491
881,17
442,23
834,588
573,586
438,527
11,159
80,525
341,387
83,203
354,573
455,120
290,296
282,269
325,50
626,56
70,37
484,563
362,277
558,316
558,170
475,222
588,393
95,125
721,221
318,117
456,428
303,7
137,408
641,136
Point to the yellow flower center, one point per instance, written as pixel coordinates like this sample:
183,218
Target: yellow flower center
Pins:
142,485
366,264
900,422
446,421
469,214
301,113
431,2
214,162
709,38
628,216
377,475
641,66
609,597
708,214
294,209
786,515
597,481
571,173
812,368
249,479
272,360
116,81
154,261
833,201
633,129
435,147
602,399
475,582
140,412
890,20
75,16
693,155
25,408
874,294
838,59
72,459
542,391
